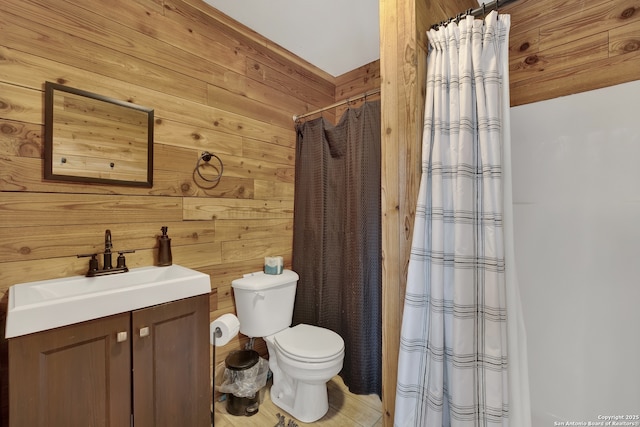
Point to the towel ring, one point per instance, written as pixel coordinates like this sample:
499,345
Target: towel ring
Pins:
206,157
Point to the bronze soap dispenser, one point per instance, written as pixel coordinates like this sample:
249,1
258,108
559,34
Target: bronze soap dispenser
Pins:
164,249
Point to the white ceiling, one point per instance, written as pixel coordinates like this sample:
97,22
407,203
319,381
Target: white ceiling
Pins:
336,36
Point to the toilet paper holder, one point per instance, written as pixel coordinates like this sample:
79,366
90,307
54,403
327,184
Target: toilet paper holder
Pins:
217,333
214,334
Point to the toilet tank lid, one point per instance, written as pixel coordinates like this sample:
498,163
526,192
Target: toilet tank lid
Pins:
259,280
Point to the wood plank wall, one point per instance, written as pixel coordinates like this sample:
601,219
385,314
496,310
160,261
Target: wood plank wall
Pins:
355,83
561,48
557,48
403,86
214,85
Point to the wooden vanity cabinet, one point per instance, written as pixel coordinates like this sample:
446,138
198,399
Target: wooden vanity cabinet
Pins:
171,381
146,368
78,375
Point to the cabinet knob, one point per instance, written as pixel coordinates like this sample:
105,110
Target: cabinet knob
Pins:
121,336
144,332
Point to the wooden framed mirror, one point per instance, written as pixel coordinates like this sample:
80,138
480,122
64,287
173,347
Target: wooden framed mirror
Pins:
96,139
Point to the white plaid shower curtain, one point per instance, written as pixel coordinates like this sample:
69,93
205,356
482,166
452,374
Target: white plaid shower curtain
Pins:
452,368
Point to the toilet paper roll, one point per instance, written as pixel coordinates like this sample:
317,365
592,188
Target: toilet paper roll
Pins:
229,326
273,264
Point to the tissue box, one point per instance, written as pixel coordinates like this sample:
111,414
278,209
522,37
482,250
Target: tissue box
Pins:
273,264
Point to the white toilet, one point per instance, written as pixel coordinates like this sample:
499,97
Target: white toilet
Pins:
302,358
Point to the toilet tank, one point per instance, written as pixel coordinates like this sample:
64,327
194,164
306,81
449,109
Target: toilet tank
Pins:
264,302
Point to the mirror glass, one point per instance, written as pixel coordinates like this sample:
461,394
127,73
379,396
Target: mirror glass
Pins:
93,138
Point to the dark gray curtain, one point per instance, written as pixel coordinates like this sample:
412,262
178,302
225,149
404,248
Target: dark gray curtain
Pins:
337,238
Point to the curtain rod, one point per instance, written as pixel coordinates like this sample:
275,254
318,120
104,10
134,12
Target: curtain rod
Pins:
337,104
482,10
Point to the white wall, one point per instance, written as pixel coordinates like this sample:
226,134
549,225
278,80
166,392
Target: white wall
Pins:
576,185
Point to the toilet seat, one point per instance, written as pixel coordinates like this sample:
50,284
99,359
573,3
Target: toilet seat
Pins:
311,344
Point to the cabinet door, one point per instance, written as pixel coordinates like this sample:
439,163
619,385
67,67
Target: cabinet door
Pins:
171,382
78,375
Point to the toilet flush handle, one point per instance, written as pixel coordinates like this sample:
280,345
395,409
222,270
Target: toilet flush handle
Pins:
259,294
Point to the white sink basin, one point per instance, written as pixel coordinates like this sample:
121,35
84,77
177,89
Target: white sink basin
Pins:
48,304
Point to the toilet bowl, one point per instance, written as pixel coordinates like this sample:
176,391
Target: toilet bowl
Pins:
302,358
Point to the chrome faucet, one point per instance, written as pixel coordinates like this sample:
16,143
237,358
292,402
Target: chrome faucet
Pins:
107,263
